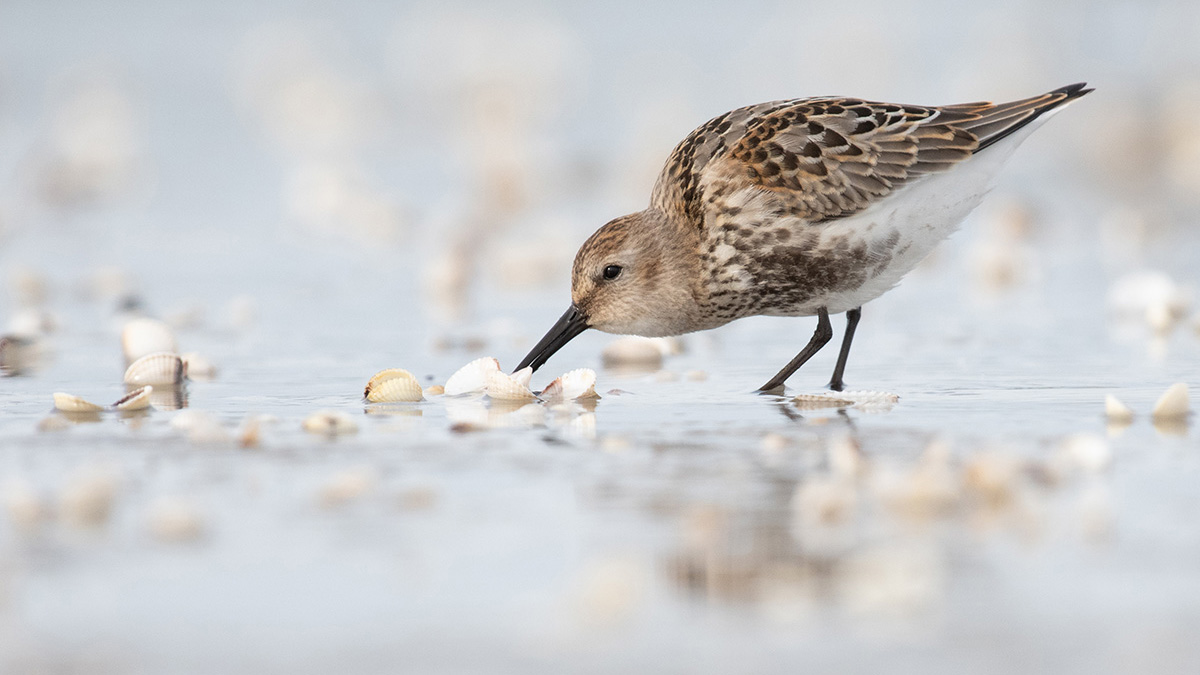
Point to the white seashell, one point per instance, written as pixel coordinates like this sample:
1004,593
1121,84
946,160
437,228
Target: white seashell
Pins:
1173,404
196,367
578,383
175,520
515,387
87,498
472,378
158,368
69,403
143,336
633,352
138,399
330,423
346,486
200,426
391,385
867,400
435,390
1116,411
1089,452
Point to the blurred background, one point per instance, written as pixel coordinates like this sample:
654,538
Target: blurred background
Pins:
308,192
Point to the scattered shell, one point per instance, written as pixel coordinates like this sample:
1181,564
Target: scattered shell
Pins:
393,384
141,337
138,399
196,367
824,501
435,390
1116,411
472,378
56,422
74,404
515,387
87,498
158,368
633,352
17,355
578,383
346,486
200,426
696,375
175,520
1173,404
26,508
866,400
1089,452
846,459
330,423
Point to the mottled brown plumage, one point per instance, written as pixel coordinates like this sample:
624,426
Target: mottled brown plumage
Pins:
792,208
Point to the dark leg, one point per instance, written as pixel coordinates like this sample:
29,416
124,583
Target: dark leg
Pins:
823,334
852,318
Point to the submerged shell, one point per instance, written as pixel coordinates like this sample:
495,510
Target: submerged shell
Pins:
330,423
1173,404
138,399
472,378
515,387
578,383
393,384
158,368
1116,411
868,400
140,337
69,403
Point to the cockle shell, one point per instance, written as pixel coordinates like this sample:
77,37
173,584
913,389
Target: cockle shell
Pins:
472,378
158,369
867,400
69,403
1173,404
139,399
393,384
330,423
515,387
140,337
578,383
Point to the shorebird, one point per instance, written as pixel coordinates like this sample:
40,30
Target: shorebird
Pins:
805,207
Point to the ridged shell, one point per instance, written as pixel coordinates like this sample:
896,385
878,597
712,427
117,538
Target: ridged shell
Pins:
578,383
472,378
843,399
69,403
391,385
140,337
515,387
1173,404
139,399
158,369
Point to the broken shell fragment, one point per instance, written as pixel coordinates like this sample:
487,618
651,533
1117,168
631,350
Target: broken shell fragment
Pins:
138,399
578,383
1116,411
391,385
143,336
1172,406
866,400
515,387
158,369
74,404
472,378
330,423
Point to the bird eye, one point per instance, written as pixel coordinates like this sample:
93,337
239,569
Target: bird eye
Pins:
612,272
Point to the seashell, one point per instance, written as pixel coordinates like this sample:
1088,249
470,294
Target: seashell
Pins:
867,400
175,520
87,498
1173,404
138,399
17,354
435,390
144,336
472,378
578,383
74,404
1116,411
200,426
391,385
158,368
346,486
1089,452
633,352
515,387
330,423
196,367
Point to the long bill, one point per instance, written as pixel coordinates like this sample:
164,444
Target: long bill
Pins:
570,324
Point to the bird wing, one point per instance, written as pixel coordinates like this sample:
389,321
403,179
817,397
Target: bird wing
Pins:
826,158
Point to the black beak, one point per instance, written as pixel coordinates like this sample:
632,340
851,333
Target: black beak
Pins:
571,323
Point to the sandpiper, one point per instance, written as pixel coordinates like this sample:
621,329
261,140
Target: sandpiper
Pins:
805,207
